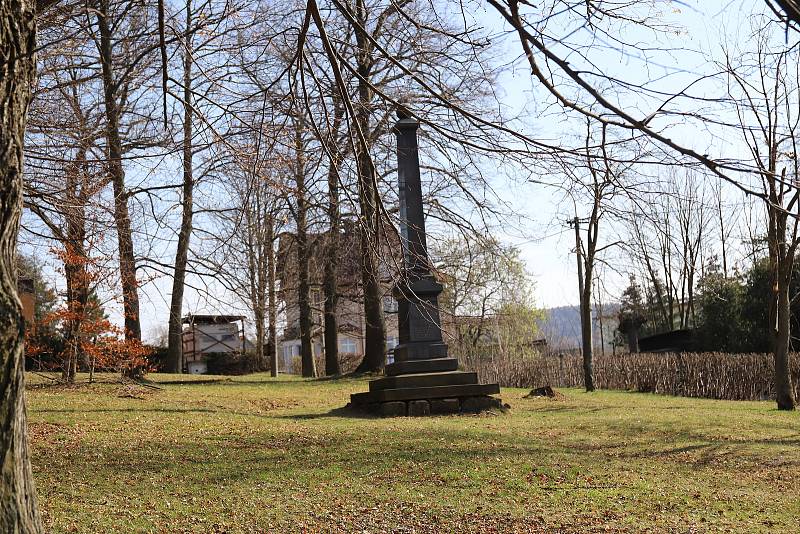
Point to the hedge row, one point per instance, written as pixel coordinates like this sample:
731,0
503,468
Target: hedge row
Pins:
711,375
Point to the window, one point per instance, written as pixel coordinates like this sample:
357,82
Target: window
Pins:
389,305
391,343
347,345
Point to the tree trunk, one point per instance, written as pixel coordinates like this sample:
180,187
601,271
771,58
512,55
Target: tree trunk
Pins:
116,173
586,332
303,289
75,264
175,348
77,298
272,306
375,330
331,300
18,509
258,317
330,286
784,392
370,223
585,290
633,339
781,334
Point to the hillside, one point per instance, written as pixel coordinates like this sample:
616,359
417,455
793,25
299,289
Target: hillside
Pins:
561,326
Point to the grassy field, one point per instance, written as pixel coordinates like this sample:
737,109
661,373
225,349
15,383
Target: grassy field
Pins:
254,454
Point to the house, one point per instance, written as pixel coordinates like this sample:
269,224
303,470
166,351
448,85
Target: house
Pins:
206,335
349,310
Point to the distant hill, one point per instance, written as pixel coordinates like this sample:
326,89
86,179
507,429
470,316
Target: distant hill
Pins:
561,326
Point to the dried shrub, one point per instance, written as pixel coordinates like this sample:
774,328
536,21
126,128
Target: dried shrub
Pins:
711,375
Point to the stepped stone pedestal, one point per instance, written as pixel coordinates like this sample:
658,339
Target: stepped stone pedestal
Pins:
423,379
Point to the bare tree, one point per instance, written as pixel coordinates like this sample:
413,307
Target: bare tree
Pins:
330,277
64,192
764,85
175,340
603,183
115,90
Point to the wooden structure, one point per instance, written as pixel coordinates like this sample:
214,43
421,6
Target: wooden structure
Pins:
204,335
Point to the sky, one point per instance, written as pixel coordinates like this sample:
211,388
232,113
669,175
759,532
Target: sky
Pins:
546,242
538,227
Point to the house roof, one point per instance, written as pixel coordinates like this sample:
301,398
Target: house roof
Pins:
211,319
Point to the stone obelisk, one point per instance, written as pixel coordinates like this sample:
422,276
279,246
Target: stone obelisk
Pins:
423,379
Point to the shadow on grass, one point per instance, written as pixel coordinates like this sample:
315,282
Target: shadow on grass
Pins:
232,381
226,382
133,410
344,411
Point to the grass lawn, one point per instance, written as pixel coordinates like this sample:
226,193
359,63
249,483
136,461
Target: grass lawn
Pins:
254,454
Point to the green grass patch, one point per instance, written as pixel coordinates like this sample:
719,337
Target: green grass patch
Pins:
256,454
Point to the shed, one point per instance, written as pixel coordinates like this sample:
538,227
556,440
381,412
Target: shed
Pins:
204,335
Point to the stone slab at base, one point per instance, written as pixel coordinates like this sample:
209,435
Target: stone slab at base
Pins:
421,408
423,380
425,393
437,365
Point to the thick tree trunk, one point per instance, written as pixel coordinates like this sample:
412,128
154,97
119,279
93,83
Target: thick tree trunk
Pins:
586,332
585,290
175,343
370,224
75,265
781,334
781,263
18,510
116,173
331,274
375,330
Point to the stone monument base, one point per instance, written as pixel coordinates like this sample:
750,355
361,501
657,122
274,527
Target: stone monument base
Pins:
418,408
435,388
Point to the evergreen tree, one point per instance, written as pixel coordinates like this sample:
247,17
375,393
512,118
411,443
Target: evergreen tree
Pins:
632,314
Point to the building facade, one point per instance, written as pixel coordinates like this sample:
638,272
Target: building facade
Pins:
349,308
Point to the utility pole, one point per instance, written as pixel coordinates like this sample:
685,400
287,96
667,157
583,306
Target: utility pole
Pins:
577,224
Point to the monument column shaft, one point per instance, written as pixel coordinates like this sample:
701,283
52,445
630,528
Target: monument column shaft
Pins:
412,216
422,379
419,323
